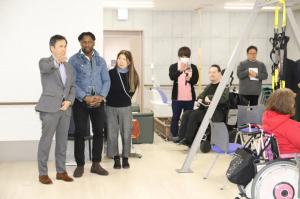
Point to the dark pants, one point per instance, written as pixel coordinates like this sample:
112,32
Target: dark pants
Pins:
251,100
177,108
81,114
297,114
191,121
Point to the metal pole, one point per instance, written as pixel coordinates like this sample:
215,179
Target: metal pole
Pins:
294,25
230,67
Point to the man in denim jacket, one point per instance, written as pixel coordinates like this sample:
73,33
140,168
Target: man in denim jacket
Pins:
92,86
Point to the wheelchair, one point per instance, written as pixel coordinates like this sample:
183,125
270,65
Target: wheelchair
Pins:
277,174
278,179
229,118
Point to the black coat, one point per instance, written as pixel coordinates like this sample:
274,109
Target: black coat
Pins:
291,75
174,73
116,96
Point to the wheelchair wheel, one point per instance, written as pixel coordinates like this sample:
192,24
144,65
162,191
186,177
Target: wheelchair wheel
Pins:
205,146
278,180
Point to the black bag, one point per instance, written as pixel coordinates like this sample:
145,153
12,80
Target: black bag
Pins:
242,168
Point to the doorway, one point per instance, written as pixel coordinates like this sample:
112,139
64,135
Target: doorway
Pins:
113,42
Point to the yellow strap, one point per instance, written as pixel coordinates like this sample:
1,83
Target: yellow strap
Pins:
282,3
276,74
276,80
284,14
282,84
276,17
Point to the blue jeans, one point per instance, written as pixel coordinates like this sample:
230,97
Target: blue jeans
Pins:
177,108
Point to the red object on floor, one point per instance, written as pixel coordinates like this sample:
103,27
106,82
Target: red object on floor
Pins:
135,129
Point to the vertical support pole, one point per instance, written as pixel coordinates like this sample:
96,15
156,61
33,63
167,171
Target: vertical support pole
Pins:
230,67
200,70
294,25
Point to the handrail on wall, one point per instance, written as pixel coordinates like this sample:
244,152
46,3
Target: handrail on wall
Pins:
17,103
34,103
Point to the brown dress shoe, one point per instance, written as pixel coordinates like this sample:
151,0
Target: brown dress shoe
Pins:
78,172
44,179
64,176
96,168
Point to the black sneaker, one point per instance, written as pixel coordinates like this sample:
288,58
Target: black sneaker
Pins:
178,140
185,142
117,164
174,138
125,163
182,141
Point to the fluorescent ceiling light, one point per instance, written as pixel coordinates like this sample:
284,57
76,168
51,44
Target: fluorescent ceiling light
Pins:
128,4
269,8
244,6
238,6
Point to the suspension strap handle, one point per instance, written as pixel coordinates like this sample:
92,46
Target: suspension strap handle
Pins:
283,2
276,18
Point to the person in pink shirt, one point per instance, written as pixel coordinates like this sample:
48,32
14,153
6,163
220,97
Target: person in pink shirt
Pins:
184,76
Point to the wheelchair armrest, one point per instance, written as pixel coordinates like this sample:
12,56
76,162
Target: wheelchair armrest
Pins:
251,131
247,126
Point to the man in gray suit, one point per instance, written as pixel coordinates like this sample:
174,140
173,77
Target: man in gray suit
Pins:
54,108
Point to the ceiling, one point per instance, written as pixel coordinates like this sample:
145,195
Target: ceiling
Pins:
189,5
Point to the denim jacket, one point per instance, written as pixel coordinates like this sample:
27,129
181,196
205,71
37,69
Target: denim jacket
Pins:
90,75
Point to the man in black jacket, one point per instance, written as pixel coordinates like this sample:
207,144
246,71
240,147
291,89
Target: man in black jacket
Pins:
191,119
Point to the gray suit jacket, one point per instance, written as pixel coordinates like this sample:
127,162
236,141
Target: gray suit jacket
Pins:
54,90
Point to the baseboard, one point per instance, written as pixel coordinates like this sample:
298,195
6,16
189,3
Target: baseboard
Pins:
26,150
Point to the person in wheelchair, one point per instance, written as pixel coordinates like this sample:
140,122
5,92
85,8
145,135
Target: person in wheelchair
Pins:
192,118
277,120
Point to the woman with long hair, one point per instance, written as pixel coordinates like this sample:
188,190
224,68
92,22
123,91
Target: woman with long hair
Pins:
124,83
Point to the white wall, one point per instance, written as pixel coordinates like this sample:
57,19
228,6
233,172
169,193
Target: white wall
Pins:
216,32
26,27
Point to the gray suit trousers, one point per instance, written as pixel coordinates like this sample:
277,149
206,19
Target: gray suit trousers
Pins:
53,123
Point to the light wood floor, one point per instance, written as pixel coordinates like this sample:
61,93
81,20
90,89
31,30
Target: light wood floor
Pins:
152,177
